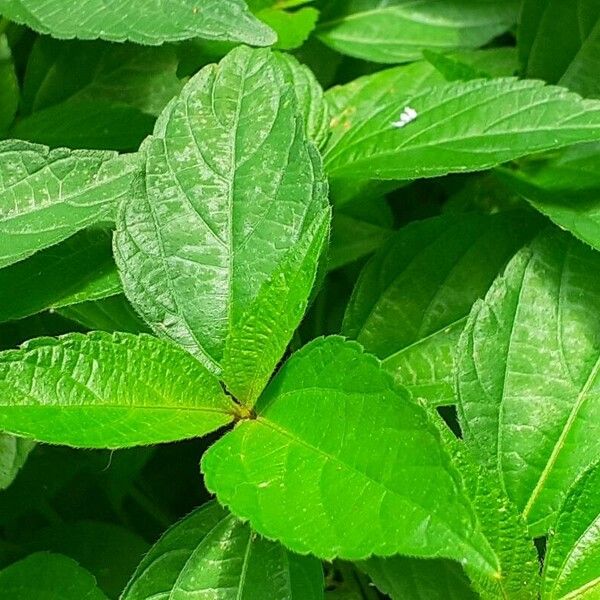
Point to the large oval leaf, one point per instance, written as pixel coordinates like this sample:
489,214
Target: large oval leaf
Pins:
339,462
528,374
212,554
140,21
108,391
231,185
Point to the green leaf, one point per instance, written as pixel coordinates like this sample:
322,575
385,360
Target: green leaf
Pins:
139,76
565,187
9,87
231,185
528,375
108,314
80,268
572,564
13,454
309,94
108,551
108,391
149,23
560,43
398,31
292,28
413,298
97,124
258,340
211,554
48,195
462,126
401,577
313,470
48,576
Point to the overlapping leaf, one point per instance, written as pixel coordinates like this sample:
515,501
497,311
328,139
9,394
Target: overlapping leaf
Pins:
231,185
9,86
13,454
48,195
210,553
413,298
108,391
528,375
461,126
398,31
339,462
139,21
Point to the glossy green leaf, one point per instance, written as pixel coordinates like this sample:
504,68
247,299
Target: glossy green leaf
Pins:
142,22
114,313
231,185
46,576
401,577
309,94
210,554
413,298
13,454
565,187
80,268
258,340
68,72
9,86
462,126
108,391
398,31
48,195
528,374
341,463
560,43
572,564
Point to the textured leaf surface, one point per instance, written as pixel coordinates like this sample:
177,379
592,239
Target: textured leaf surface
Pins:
398,31
462,126
565,187
48,195
258,340
560,43
49,577
413,298
231,184
528,374
401,577
142,22
211,554
101,390
572,565
13,454
339,462
80,268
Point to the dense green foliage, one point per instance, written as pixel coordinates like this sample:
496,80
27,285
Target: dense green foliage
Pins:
299,299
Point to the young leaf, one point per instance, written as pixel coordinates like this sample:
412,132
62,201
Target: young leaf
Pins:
560,43
80,268
212,554
412,299
48,195
527,374
340,463
462,126
230,187
150,23
258,340
9,86
13,454
48,576
402,577
398,31
108,391
565,187
572,564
